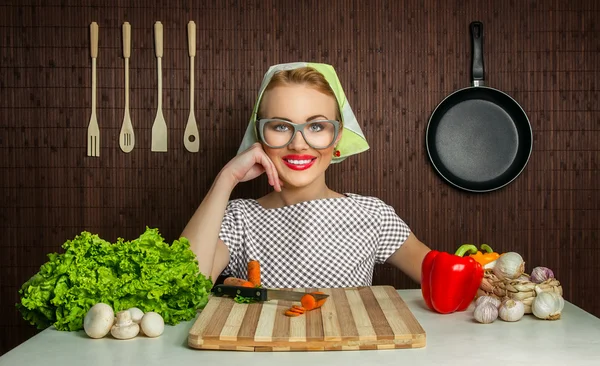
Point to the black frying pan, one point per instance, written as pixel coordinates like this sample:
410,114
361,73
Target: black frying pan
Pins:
479,139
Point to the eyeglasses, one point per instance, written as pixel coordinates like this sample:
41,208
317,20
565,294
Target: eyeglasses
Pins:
318,134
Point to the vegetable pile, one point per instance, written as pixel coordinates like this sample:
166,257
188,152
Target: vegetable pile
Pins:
506,291
146,273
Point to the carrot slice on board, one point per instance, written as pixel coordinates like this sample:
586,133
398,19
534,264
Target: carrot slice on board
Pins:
291,313
295,310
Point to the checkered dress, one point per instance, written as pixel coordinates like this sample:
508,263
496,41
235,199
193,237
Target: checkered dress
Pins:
332,242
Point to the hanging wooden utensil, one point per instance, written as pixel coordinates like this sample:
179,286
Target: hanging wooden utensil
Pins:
190,136
126,137
159,128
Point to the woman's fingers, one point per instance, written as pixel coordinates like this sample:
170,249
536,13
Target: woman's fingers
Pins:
270,170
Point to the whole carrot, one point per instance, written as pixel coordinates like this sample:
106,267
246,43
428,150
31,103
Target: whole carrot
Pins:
233,281
254,272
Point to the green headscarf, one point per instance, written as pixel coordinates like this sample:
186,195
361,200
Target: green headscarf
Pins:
353,140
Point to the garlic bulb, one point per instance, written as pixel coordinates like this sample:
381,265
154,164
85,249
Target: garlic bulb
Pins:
547,305
509,265
541,274
486,313
487,299
511,310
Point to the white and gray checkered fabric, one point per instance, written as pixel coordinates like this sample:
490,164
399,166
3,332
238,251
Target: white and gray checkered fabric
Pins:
321,243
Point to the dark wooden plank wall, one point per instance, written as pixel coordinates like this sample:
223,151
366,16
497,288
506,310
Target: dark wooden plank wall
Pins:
396,60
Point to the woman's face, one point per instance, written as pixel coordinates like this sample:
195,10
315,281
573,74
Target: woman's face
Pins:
298,164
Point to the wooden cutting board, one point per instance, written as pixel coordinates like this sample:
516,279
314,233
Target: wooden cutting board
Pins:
355,318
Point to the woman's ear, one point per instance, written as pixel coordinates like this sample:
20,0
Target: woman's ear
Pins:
339,137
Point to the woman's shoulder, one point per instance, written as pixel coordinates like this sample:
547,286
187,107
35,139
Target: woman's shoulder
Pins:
240,204
371,203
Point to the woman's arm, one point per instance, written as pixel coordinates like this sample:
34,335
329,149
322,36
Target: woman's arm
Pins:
409,257
203,228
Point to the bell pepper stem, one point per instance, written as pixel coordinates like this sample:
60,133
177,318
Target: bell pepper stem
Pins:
466,248
486,248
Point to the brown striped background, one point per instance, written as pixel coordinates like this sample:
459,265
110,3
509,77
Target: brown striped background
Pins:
396,61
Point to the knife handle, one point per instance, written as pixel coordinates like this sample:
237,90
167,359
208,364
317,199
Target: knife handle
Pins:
256,293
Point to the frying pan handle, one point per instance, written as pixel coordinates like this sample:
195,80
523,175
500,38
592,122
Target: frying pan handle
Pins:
477,53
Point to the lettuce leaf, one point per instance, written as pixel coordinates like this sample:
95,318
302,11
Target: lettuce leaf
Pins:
147,273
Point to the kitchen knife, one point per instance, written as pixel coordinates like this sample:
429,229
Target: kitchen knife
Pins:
262,294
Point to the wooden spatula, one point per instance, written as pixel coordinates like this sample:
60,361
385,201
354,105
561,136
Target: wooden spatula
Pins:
126,137
190,136
159,128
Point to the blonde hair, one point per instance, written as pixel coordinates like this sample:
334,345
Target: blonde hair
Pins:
307,76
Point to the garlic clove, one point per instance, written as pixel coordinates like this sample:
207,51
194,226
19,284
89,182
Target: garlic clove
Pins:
511,310
487,299
541,274
486,313
510,265
547,305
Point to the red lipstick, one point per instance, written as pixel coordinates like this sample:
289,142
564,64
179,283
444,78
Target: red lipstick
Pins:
299,162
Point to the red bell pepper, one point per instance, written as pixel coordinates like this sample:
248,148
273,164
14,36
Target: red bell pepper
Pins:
449,282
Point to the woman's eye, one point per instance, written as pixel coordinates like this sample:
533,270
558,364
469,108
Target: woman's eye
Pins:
316,127
281,128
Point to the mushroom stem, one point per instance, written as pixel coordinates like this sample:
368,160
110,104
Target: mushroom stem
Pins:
124,327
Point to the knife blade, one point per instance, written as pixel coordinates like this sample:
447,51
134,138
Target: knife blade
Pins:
262,294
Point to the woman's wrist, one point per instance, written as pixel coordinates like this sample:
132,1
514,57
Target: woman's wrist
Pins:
224,180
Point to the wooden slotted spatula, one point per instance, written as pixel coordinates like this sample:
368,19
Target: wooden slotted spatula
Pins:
126,137
159,128
190,136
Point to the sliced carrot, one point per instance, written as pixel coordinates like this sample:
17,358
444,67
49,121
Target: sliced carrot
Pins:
298,308
308,302
254,272
292,313
234,281
322,301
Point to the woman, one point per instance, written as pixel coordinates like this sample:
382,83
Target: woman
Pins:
303,233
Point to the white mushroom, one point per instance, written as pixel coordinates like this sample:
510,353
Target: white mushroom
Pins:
152,324
124,327
98,320
136,314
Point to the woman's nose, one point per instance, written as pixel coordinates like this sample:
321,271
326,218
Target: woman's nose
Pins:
298,143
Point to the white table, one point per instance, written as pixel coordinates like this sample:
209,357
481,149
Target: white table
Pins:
452,339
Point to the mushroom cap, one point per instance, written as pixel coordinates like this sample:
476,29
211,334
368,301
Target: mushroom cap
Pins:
98,320
125,331
136,314
152,324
